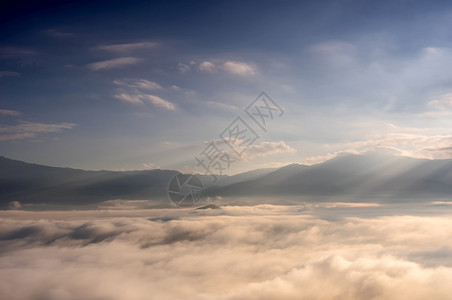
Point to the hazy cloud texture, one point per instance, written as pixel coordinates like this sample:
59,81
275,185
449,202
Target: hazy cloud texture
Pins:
261,252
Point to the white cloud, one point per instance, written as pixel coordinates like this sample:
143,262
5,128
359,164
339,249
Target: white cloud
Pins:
444,102
135,92
266,149
14,205
9,74
231,67
222,106
439,107
8,112
139,84
183,67
274,164
113,63
141,98
36,127
404,144
148,85
135,99
25,130
318,159
151,165
251,152
157,101
239,68
269,252
127,47
207,66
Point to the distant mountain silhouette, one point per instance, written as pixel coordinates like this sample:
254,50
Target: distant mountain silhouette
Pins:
369,175
36,184
32,183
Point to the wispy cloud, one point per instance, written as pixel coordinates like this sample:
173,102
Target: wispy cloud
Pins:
25,130
113,63
239,68
207,66
442,103
24,56
35,127
127,47
406,144
151,165
16,52
222,106
8,112
333,48
141,98
157,101
139,84
231,67
134,99
135,92
183,67
264,149
9,74
58,33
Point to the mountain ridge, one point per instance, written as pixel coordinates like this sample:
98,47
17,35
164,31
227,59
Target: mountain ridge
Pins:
366,174
369,174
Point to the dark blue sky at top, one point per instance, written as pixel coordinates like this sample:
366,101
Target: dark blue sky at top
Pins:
50,44
225,25
202,28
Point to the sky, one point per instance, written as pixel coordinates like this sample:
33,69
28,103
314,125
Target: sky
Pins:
152,84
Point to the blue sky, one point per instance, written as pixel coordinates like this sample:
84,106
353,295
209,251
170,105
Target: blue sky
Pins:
148,84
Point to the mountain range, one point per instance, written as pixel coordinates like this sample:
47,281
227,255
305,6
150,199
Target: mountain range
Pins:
371,174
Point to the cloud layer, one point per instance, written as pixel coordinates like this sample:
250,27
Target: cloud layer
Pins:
113,63
231,67
261,252
9,74
27,130
136,92
127,47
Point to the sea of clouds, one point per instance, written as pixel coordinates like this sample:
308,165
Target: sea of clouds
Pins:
235,252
